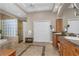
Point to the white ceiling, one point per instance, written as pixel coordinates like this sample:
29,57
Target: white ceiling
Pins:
35,7
12,8
21,9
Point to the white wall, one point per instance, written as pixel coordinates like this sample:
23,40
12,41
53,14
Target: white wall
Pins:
68,14
74,27
45,15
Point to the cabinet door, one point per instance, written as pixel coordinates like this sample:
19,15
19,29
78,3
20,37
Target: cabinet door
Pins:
61,49
54,41
76,53
65,50
68,49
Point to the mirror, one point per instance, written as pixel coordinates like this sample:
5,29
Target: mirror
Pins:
72,26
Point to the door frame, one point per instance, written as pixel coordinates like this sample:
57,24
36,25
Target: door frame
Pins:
20,30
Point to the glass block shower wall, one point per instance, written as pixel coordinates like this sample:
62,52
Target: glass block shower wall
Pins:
9,28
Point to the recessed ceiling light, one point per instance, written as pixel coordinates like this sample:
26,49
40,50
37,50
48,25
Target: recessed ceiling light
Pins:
32,5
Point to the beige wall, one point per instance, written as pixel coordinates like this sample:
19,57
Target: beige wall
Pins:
46,15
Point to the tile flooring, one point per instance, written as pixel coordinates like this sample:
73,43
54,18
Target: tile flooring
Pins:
35,49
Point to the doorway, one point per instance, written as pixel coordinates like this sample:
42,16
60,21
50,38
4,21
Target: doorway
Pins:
20,31
42,32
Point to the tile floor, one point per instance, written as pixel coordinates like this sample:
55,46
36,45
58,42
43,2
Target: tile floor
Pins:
35,49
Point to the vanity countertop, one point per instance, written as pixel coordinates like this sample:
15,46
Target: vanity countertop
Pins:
73,40
59,34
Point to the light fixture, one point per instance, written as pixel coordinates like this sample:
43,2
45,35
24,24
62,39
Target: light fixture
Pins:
32,5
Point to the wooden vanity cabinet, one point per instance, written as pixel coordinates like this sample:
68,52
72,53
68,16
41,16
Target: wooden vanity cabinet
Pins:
59,29
68,49
55,40
77,51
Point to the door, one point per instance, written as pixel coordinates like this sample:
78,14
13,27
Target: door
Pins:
20,31
42,31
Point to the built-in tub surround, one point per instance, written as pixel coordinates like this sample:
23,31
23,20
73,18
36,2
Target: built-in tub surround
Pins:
13,40
3,43
8,43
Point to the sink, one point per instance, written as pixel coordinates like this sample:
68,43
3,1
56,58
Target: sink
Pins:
71,38
58,33
74,40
